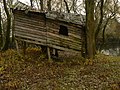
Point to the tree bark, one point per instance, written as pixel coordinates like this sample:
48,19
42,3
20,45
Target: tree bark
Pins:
101,19
90,28
1,38
49,5
0,30
7,39
41,5
31,3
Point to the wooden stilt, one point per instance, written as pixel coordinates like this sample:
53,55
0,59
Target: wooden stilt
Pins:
56,52
17,48
53,51
24,48
48,53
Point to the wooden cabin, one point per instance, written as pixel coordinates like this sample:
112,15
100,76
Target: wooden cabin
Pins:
47,30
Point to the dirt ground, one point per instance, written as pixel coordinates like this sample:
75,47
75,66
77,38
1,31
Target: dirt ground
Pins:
34,72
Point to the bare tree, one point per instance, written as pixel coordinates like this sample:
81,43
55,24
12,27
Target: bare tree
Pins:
67,7
31,3
49,5
7,39
107,10
111,10
41,5
101,18
1,36
90,28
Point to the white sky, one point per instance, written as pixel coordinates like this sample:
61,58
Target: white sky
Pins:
25,1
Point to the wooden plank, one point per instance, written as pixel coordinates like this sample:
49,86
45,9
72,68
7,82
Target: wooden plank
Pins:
34,34
29,30
29,37
60,37
23,15
64,43
75,31
26,24
49,40
30,41
29,19
50,45
40,30
56,31
67,45
17,48
31,22
48,53
31,34
71,27
61,48
33,16
71,36
75,37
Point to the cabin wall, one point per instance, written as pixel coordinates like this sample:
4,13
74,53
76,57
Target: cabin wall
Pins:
35,28
72,41
30,27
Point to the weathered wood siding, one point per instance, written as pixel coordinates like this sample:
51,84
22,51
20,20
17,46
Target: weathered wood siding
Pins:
30,27
72,41
35,28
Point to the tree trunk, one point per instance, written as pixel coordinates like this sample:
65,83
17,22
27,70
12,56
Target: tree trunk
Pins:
101,19
103,31
1,39
31,3
49,5
41,5
90,28
74,6
7,39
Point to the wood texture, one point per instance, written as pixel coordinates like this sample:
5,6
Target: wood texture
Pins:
35,28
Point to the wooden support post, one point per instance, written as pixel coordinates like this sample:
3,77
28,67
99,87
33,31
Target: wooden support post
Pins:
24,48
56,52
17,47
53,51
48,53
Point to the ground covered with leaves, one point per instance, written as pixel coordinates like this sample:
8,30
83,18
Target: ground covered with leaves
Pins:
34,72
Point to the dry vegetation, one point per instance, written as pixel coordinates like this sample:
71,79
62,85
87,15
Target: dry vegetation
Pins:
34,72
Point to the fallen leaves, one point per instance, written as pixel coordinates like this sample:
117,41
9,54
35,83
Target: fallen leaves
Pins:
36,73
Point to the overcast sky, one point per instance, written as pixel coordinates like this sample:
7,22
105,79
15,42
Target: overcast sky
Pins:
25,1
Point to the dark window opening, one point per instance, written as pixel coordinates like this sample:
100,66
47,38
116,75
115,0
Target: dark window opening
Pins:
63,30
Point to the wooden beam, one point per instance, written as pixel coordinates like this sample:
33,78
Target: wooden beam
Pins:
48,53
17,48
50,45
24,48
